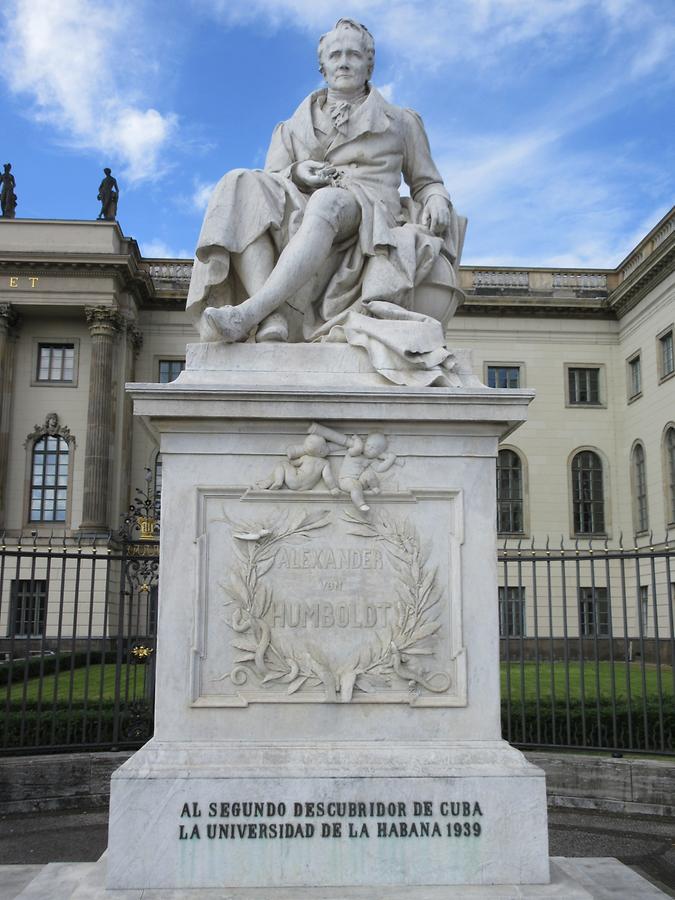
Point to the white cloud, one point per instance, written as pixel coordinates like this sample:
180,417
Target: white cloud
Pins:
435,33
80,63
202,195
387,90
569,209
159,249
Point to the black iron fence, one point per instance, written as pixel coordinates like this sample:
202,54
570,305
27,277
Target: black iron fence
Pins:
587,645
77,656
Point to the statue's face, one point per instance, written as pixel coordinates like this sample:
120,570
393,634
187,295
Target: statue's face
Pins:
344,60
374,445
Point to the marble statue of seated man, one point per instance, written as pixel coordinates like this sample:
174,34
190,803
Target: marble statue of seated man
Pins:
322,231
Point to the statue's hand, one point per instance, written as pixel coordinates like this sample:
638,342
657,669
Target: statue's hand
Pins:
312,174
436,215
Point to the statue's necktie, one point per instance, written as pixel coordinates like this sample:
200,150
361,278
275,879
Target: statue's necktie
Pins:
339,115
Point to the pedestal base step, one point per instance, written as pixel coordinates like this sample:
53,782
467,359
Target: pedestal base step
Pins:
571,879
363,815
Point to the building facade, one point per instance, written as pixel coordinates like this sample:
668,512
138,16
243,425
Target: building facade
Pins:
82,313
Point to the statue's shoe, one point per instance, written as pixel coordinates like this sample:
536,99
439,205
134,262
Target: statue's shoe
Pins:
273,328
208,333
230,322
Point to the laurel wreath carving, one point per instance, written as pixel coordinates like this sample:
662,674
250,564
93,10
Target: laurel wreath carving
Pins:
375,665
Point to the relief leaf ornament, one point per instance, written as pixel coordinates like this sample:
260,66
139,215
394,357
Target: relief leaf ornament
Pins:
255,547
376,664
417,599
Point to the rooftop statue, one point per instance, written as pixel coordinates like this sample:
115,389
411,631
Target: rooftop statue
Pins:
108,194
8,199
320,245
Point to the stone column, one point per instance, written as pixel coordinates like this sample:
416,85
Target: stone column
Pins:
135,344
104,325
8,321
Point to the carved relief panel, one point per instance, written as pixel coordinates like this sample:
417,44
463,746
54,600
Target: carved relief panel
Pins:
304,597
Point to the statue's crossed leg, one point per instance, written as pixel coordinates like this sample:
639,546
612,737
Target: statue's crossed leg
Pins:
332,215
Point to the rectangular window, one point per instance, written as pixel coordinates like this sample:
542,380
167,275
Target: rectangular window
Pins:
29,607
634,377
666,359
511,612
170,369
593,612
583,386
644,609
56,362
503,376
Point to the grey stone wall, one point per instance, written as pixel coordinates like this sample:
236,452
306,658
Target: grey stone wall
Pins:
71,780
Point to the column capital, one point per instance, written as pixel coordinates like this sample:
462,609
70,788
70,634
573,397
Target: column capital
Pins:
104,321
9,318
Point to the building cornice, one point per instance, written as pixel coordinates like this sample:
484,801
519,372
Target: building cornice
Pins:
649,272
543,307
590,293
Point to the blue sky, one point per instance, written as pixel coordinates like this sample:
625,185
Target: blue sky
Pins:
552,121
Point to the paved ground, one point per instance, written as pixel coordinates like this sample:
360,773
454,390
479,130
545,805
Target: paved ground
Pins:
647,844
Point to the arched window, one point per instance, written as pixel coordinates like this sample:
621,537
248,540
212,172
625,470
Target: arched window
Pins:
641,516
49,479
157,476
669,446
588,501
509,493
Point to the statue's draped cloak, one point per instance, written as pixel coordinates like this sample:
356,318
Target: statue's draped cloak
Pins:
384,261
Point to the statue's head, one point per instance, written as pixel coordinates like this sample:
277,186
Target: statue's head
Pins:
107,171
8,167
315,445
376,443
347,55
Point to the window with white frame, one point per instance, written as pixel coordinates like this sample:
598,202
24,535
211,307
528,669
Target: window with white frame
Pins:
509,493
641,515
593,612
511,611
583,386
644,609
170,369
55,363
666,357
634,376
50,461
28,607
669,448
588,500
503,376
157,478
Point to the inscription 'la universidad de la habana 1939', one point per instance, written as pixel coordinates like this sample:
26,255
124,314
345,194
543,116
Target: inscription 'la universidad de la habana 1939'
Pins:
330,819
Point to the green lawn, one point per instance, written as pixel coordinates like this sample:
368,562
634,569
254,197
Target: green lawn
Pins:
602,670
82,690
136,674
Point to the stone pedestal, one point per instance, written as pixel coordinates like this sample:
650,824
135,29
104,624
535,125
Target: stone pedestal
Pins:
327,708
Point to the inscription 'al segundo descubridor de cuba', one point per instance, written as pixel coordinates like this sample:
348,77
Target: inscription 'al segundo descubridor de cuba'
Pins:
264,821
358,583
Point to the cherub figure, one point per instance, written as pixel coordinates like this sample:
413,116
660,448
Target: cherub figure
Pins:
363,462
306,466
